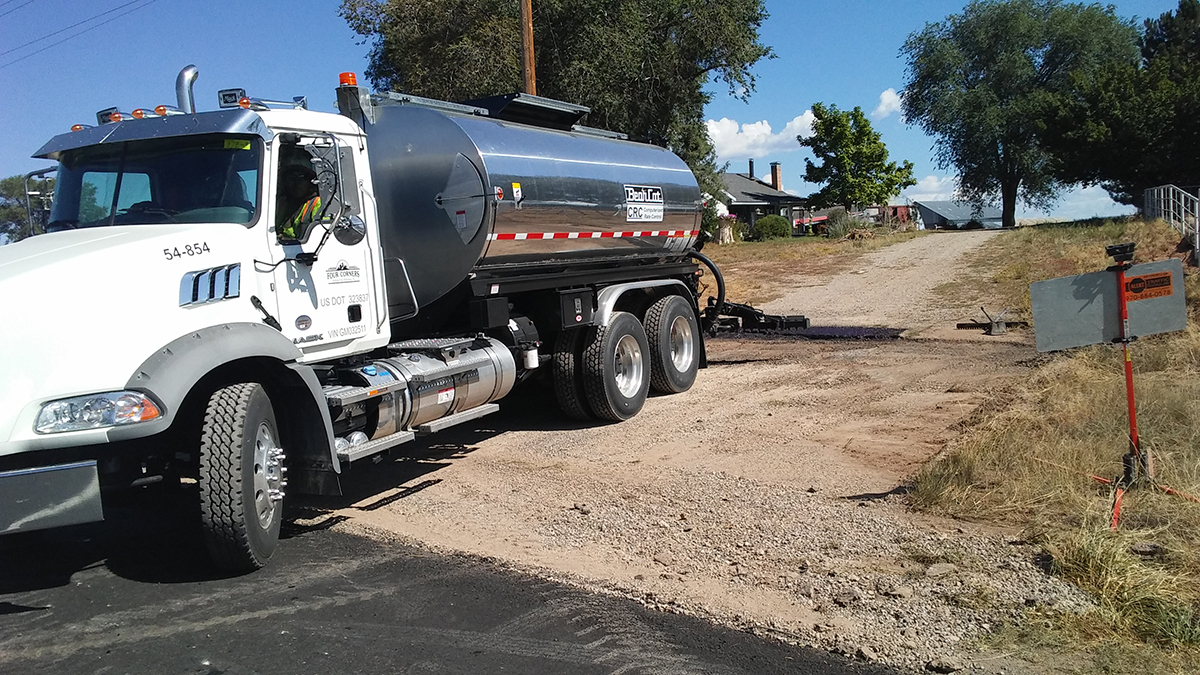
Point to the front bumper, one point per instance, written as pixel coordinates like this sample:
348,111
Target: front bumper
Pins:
49,496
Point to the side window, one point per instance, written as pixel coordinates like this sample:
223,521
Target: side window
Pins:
316,182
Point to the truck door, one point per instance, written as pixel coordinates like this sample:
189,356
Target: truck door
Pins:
326,304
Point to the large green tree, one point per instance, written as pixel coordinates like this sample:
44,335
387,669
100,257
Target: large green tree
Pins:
640,65
14,219
986,84
1136,124
854,164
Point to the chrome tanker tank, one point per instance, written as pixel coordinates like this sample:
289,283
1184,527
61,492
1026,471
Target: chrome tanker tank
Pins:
466,189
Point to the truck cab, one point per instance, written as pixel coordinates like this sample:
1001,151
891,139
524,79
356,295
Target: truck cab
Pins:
251,299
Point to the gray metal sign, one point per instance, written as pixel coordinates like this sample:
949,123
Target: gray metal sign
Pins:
1085,309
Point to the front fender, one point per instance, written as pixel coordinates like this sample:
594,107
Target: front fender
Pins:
172,371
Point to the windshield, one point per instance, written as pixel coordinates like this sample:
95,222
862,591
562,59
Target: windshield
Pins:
192,179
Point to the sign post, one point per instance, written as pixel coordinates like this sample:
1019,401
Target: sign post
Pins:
1120,304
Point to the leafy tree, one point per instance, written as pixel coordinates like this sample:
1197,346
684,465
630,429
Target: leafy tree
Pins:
14,219
640,65
988,82
1134,125
854,161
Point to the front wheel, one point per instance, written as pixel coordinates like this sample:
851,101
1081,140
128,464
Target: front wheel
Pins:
616,368
241,477
674,337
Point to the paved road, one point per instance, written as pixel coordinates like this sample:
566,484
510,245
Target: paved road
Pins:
134,595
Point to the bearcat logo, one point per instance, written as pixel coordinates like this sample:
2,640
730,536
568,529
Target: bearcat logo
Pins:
643,204
343,274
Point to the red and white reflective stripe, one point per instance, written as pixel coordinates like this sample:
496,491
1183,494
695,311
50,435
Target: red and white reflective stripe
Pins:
521,236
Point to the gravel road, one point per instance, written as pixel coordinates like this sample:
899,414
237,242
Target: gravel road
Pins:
770,497
891,287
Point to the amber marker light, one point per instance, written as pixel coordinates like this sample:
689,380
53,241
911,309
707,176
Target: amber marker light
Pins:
348,79
160,110
138,113
77,127
244,103
115,117
149,410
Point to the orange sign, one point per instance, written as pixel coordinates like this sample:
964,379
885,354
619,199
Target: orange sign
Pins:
1157,285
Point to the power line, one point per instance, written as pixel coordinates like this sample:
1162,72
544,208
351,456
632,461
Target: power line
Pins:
69,37
63,30
7,2
16,8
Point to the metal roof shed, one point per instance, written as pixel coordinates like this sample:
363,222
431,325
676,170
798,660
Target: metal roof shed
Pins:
955,215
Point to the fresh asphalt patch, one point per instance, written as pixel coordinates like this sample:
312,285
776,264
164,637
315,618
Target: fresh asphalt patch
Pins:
136,594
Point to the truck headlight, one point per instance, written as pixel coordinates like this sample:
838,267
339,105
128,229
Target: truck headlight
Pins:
96,411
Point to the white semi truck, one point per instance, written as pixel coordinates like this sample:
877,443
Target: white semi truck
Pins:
164,326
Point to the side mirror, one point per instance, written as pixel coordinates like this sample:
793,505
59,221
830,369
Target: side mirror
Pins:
350,230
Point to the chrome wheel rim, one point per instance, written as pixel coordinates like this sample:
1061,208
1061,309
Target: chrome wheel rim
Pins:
268,476
682,344
628,365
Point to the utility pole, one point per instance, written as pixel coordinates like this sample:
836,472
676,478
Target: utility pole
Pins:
527,46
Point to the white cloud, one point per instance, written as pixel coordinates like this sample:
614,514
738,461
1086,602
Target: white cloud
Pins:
889,102
933,189
755,139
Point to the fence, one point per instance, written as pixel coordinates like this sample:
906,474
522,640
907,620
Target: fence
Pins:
1177,207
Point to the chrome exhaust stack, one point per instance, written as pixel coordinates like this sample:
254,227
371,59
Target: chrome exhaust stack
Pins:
183,89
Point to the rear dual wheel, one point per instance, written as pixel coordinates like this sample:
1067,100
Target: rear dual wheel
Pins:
616,368
674,338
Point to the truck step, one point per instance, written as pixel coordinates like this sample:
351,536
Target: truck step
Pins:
430,343
374,447
341,396
457,418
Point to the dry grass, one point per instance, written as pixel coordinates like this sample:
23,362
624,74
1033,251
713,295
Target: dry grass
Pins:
758,272
1009,263
1072,412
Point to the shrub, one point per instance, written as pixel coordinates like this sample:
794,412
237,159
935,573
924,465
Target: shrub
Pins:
771,227
709,221
839,224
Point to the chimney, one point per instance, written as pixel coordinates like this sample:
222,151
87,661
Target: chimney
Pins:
752,167
776,176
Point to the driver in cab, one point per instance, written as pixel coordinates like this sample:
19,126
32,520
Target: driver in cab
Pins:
299,202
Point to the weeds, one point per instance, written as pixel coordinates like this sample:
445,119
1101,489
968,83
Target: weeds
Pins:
1026,458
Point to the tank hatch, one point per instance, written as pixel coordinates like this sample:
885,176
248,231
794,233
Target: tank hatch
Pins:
533,110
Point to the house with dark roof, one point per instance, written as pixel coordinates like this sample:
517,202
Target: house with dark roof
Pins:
750,198
957,215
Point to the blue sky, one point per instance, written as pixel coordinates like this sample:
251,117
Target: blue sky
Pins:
845,53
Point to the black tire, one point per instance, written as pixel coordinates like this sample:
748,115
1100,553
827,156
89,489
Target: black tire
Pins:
240,464
567,375
674,338
616,368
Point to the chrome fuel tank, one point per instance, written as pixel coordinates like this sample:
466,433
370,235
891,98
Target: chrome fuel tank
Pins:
459,192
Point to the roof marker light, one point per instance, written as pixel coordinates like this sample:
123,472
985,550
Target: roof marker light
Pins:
244,103
114,117
138,113
80,127
348,79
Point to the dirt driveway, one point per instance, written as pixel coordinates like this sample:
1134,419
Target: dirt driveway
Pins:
770,495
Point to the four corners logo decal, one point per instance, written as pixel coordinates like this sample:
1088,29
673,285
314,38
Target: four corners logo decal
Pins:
343,274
